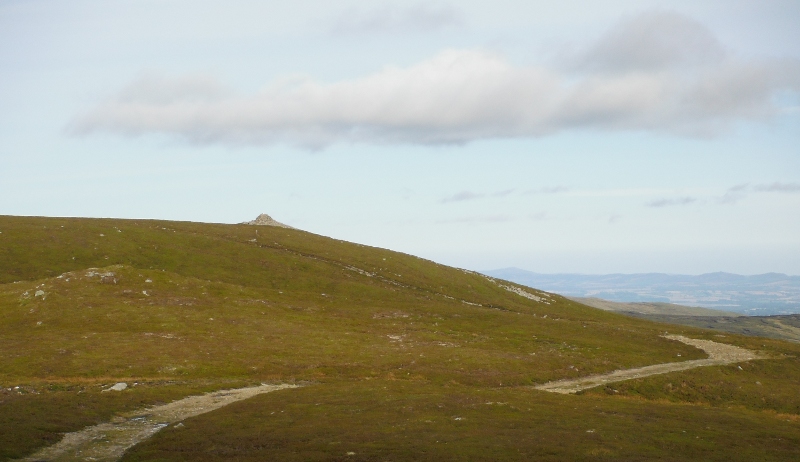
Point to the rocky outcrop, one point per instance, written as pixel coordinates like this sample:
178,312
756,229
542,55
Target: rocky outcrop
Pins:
266,220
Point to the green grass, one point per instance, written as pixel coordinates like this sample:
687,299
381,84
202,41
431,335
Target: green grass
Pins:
36,414
383,420
766,385
201,306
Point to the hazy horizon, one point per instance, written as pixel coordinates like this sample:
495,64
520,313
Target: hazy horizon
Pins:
760,295
649,272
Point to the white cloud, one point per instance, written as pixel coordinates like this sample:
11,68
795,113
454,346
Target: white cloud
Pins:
778,187
674,201
651,41
657,72
503,193
736,193
156,90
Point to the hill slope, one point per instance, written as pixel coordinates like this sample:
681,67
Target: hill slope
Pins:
400,355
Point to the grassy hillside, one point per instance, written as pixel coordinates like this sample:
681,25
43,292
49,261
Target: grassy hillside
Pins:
392,348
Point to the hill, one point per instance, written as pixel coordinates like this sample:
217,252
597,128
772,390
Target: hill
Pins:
398,358
761,294
785,327
651,308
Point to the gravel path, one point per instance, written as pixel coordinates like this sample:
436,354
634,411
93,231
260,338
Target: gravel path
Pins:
718,354
108,441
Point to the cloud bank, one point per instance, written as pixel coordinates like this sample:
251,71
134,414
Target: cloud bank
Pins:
658,72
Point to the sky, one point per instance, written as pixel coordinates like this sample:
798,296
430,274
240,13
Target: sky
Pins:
573,136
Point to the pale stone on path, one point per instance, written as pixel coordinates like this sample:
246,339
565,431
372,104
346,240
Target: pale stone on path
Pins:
119,386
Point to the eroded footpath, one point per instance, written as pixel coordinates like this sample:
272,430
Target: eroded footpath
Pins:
718,354
108,441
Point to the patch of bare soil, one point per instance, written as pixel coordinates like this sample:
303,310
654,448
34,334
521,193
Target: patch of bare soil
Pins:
718,354
108,441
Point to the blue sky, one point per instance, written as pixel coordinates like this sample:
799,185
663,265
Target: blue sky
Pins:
590,137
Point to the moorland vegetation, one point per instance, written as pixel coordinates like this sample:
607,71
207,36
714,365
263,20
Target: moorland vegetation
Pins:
399,358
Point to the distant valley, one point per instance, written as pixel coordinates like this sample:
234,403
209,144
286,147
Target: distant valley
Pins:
757,295
785,327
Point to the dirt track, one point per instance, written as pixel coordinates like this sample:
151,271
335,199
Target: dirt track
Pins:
718,354
108,441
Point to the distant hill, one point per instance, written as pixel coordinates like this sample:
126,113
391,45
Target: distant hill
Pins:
785,327
654,308
762,294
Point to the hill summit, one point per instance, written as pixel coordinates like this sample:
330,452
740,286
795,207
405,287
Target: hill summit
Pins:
266,220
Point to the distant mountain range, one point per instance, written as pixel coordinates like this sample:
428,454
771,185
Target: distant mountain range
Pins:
762,294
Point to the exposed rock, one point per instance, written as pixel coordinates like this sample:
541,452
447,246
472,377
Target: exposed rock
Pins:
119,386
108,277
266,220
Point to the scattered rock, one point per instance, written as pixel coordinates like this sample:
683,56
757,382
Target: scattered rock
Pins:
108,278
39,293
266,220
119,386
